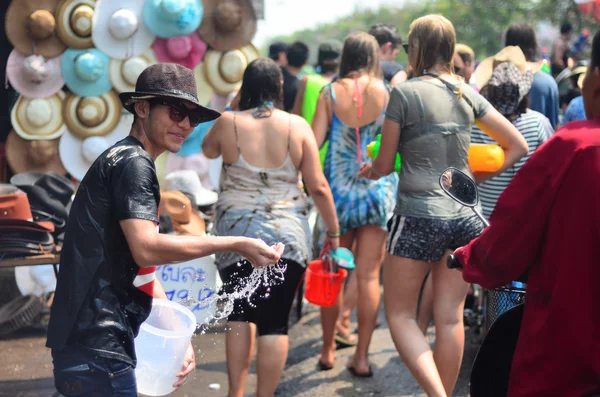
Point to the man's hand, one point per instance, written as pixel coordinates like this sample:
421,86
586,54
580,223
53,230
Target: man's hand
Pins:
189,364
258,253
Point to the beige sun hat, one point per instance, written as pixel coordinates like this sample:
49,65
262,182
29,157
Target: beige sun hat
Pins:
224,71
511,54
77,154
38,118
74,22
228,24
40,156
31,27
123,73
92,116
204,89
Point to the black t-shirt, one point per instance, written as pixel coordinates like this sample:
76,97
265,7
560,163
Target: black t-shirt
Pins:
390,69
290,89
102,296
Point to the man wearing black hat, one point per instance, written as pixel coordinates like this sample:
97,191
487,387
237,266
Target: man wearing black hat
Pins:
106,281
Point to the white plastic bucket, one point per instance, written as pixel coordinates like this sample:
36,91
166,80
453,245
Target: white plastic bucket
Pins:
161,346
195,280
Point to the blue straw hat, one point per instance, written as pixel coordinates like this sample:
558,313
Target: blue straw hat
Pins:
86,72
171,18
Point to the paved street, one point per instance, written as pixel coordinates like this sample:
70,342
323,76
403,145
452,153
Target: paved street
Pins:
26,367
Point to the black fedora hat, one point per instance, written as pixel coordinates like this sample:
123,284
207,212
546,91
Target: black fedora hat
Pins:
166,80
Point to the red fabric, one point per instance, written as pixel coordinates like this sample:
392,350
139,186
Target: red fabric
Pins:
548,220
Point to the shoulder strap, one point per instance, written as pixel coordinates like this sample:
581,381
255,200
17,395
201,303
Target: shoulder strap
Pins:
237,140
451,86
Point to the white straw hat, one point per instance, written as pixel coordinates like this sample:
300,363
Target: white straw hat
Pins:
224,71
123,73
35,119
188,181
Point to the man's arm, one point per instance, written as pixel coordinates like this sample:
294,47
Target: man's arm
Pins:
512,242
297,108
398,78
150,248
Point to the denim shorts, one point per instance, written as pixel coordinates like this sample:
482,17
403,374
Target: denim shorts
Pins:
426,239
78,374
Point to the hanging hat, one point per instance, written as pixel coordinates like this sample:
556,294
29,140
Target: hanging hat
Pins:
74,22
15,212
170,18
39,118
188,182
118,29
25,155
168,80
34,76
511,54
86,71
92,116
187,50
31,27
507,87
79,154
124,73
228,24
225,70
203,88
183,215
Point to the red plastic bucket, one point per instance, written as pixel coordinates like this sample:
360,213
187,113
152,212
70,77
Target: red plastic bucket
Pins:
322,286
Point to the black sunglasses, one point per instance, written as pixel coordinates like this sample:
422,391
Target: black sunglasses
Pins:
405,46
178,112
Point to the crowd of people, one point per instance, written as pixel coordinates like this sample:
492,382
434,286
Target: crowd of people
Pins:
292,140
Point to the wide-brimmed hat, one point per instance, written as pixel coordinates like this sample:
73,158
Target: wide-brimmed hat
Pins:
188,182
124,73
507,87
168,80
118,28
203,88
15,212
74,22
49,195
92,116
78,154
184,50
86,71
26,155
510,54
34,76
171,18
224,71
39,118
228,24
183,215
31,27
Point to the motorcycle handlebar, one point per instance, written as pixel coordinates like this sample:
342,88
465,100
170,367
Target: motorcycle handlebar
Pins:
453,263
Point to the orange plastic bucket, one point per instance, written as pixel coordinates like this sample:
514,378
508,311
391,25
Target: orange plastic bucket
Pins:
322,286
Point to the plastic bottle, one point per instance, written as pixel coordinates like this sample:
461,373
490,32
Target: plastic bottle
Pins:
546,67
373,149
485,157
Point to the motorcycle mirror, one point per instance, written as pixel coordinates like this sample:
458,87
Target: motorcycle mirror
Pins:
459,186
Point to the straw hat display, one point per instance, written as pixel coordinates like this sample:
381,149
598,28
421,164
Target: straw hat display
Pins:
77,154
205,90
171,18
31,27
41,155
34,76
36,119
92,116
74,22
224,70
86,71
228,24
118,29
187,50
123,73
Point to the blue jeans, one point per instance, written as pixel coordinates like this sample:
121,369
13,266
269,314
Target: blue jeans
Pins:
78,374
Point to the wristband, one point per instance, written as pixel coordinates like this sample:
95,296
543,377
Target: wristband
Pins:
333,235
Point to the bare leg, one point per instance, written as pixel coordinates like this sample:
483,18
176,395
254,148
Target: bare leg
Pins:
425,314
239,346
329,315
370,251
270,361
449,291
350,299
402,280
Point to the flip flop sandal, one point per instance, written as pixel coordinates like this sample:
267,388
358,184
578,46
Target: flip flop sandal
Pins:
357,374
344,340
